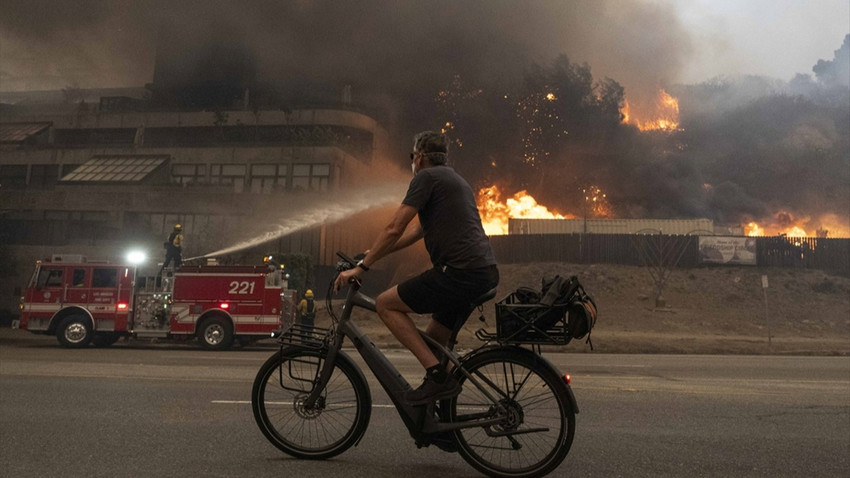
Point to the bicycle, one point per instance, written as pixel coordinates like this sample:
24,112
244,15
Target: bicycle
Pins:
515,416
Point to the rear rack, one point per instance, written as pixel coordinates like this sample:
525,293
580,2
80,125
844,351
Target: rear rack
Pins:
533,324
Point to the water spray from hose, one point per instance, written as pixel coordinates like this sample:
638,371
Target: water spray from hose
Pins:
353,202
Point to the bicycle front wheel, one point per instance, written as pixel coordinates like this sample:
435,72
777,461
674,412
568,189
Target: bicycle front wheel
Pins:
538,421
336,422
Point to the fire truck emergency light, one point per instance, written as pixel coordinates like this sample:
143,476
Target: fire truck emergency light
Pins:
224,305
136,257
122,305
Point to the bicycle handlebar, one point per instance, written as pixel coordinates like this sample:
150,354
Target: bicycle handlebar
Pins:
346,262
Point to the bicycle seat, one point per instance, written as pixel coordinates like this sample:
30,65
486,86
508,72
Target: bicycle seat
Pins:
473,304
484,297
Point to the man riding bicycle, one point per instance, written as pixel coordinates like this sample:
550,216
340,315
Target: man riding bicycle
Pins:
464,264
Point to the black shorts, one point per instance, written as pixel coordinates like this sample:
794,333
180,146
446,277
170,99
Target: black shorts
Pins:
448,294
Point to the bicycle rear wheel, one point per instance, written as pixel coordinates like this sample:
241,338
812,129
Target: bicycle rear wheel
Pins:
537,431
337,421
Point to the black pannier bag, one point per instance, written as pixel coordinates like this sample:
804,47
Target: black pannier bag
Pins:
560,312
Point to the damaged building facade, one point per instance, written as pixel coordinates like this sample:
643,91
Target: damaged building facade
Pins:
206,144
103,173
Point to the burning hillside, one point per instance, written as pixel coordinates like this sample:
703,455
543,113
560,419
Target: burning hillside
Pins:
660,114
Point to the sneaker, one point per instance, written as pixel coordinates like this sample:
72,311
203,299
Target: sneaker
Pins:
431,390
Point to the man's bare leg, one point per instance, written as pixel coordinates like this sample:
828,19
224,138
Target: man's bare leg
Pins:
438,332
393,312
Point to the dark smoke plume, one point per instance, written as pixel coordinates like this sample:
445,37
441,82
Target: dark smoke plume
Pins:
750,147
392,53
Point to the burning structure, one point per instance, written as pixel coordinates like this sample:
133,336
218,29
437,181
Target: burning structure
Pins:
248,104
95,172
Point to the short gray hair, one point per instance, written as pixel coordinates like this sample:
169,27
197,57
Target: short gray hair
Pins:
434,145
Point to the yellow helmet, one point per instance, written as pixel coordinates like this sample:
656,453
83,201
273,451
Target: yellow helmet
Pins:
308,294
178,226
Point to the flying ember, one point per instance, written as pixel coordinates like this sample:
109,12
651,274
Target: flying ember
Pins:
495,214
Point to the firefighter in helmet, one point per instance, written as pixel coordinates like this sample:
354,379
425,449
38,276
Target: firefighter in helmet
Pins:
173,248
307,312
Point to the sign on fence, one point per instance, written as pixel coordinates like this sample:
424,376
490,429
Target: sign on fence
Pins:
727,250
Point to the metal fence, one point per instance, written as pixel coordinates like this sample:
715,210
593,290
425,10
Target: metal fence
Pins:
832,255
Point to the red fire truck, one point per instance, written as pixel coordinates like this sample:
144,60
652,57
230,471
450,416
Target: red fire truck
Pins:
82,302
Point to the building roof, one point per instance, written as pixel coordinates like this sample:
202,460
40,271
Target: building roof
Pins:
19,132
115,168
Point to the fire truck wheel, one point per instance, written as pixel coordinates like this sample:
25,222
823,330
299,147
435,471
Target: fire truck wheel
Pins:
105,339
74,331
216,333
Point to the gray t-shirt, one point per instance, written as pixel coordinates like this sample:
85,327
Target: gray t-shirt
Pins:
449,217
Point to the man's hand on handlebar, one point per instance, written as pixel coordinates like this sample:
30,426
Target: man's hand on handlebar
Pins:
345,277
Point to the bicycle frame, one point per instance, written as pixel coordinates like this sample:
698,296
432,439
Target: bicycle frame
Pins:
420,420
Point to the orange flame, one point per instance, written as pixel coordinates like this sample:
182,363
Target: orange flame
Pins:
495,214
662,115
785,223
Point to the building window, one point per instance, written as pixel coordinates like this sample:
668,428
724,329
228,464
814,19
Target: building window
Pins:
187,174
228,174
13,176
115,168
186,222
156,222
190,223
311,177
43,175
51,215
266,178
96,216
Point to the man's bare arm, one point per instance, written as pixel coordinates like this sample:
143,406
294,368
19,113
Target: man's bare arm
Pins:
412,234
395,236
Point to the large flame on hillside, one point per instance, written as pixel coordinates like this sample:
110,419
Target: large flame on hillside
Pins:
661,114
495,214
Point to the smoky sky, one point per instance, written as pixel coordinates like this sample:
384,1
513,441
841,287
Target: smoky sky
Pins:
377,45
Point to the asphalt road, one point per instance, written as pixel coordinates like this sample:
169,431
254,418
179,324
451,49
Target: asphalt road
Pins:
162,410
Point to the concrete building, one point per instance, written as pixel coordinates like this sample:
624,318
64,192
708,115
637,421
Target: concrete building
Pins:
95,172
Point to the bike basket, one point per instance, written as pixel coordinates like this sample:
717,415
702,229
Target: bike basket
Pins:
309,337
523,323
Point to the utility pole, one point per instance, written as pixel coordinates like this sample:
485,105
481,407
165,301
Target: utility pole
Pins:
766,315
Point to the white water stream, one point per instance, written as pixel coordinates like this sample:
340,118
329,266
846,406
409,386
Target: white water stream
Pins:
349,203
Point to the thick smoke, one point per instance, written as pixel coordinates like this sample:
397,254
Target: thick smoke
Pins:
386,50
750,147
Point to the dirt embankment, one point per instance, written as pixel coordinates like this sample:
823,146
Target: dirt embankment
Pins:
712,310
